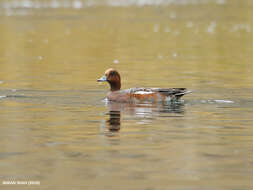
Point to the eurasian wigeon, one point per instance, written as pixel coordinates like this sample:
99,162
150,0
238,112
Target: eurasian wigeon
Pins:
112,76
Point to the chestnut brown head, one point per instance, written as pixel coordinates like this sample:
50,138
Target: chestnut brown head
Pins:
113,78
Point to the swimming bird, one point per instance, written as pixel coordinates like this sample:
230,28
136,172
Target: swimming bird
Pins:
112,76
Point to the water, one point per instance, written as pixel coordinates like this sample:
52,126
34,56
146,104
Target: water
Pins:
57,128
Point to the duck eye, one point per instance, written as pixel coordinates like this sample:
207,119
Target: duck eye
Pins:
112,73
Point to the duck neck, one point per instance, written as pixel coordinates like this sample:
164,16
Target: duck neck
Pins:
115,86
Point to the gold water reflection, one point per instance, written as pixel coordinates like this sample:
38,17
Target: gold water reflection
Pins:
182,50
53,121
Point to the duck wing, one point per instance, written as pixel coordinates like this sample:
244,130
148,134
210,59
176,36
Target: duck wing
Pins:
177,92
173,93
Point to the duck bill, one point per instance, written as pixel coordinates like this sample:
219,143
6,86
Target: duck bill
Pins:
102,79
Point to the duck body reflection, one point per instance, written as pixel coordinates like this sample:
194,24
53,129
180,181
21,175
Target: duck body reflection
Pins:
114,121
142,112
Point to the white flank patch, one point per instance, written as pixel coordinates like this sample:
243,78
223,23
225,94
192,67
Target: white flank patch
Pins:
168,99
143,92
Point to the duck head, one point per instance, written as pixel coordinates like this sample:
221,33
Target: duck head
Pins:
113,78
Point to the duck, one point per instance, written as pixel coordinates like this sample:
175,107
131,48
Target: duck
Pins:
139,94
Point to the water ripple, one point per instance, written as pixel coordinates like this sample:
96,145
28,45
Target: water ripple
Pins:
77,4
